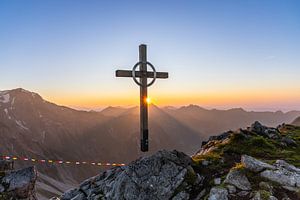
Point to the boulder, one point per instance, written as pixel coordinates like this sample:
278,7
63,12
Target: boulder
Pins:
164,175
222,136
217,193
281,172
285,165
231,189
237,178
289,141
264,131
258,128
254,165
289,179
19,184
217,181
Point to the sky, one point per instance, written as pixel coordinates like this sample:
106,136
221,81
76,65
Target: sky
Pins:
219,54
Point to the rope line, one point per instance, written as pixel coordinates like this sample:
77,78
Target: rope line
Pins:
53,161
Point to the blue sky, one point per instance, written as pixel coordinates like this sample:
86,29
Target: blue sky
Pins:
218,53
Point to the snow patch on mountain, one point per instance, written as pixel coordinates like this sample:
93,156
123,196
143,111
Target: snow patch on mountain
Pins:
4,97
13,101
21,125
7,114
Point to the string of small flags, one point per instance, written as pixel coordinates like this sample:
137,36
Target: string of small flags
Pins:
47,161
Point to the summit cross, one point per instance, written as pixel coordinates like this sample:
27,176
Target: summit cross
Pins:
143,76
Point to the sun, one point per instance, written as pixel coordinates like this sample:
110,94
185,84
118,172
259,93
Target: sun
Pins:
148,100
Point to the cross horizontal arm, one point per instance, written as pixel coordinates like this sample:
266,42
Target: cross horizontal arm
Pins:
138,74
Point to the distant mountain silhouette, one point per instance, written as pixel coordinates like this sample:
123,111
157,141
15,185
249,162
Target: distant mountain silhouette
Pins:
214,121
114,111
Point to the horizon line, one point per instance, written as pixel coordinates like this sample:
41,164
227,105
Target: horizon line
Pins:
223,107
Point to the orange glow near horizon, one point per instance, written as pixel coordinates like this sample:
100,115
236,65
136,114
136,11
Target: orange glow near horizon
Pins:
217,99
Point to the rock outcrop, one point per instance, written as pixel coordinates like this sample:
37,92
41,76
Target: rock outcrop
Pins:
265,131
164,175
286,175
254,164
18,184
217,193
238,179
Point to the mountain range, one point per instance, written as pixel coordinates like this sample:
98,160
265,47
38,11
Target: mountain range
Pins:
35,128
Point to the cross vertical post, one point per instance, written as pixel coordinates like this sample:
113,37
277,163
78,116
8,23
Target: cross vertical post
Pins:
143,75
143,98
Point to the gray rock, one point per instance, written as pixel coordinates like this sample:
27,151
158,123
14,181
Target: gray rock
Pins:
231,189
70,194
289,141
281,172
217,193
217,181
222,136
292,189
265,186
242,193
272,198
2,189
181,196
264,131
155,177
238,179
20,184
283,164
254,165
283,177
257,128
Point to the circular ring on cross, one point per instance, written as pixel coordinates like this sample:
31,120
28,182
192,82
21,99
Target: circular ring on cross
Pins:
134,76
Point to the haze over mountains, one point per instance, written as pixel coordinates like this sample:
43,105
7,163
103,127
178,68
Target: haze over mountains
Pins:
216,121
33,127
296,121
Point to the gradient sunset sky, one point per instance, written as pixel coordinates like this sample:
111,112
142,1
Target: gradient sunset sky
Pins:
219,54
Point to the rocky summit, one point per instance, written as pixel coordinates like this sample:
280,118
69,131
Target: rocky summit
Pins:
257,163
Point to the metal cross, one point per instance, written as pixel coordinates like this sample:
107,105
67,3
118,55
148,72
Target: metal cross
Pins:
143,75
